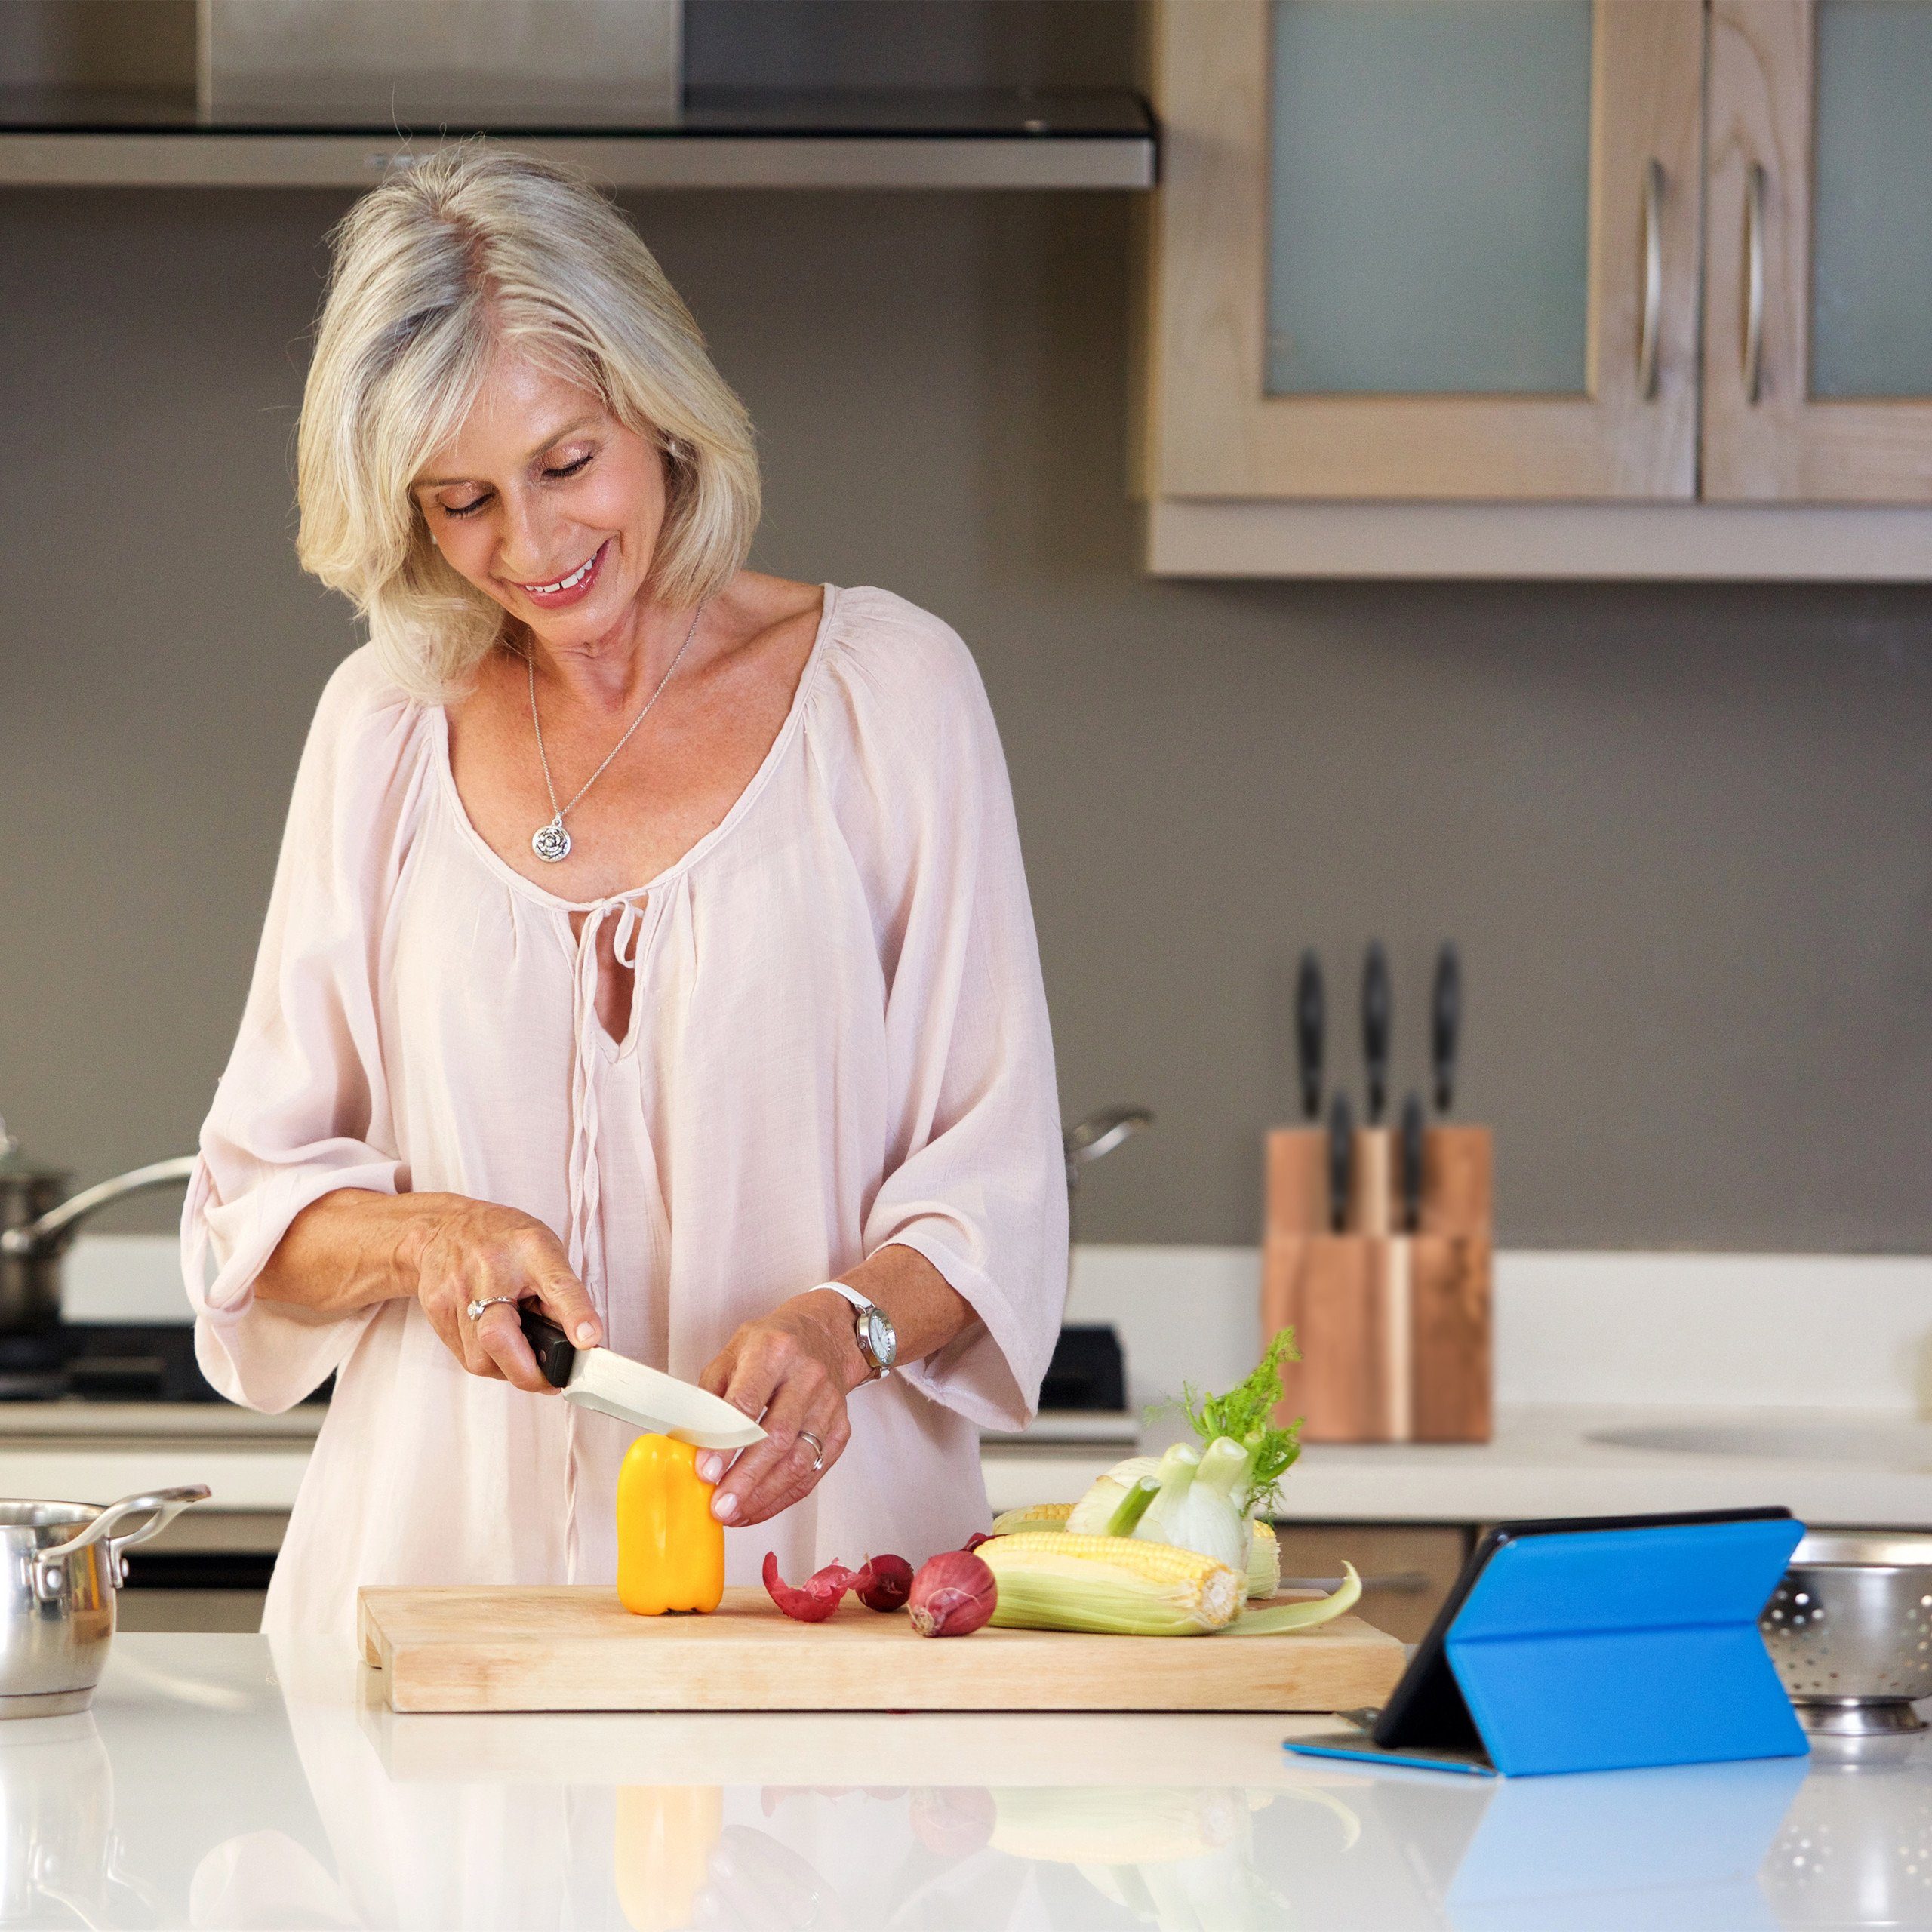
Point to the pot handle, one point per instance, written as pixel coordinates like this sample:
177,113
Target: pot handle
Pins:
160,1506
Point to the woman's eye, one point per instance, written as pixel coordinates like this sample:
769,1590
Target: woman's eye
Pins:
476,502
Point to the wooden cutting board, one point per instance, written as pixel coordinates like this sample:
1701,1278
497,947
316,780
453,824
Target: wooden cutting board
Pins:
574,1647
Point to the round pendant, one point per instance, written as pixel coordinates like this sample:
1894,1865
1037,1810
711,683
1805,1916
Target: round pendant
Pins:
551,842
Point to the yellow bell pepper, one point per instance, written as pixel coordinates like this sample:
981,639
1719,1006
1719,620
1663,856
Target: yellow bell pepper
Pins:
670,1547
665,1835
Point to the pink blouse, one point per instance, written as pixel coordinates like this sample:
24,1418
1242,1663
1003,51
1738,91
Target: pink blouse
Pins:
838,1040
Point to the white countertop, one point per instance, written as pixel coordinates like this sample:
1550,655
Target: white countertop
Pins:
217,1785
1849,1469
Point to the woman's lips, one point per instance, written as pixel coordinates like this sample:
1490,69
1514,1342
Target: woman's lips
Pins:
554,600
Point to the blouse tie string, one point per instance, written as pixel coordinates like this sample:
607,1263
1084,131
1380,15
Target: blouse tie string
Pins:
585,1247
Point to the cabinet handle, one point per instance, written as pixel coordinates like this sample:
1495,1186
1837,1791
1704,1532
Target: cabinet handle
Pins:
1652,317
1408,1582
1754,280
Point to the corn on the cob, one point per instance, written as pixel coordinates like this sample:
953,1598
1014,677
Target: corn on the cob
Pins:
1119,1586
1034,1516
1264,1550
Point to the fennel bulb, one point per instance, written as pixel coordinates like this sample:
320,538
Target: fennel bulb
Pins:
1195,1507
1094,1511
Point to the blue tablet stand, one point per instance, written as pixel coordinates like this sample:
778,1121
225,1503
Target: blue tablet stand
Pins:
1596,1650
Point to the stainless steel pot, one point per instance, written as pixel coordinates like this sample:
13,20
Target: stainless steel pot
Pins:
38,1221
63,1563
1085,1142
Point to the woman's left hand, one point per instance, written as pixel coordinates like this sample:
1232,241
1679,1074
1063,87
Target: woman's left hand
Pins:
791,1369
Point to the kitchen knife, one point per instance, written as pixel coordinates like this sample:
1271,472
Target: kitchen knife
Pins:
614,1385
1411,1163
1445,1024
1341,1161
1310,1022
1377,1022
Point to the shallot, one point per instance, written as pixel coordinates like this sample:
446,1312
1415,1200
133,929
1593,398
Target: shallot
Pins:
952,1596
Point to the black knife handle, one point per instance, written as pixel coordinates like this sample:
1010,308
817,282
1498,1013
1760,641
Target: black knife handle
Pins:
1378,1001
555,1351
1341,1161
1412,1164
1311,1023
1445,1025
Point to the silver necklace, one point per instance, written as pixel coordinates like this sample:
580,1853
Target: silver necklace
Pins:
551,842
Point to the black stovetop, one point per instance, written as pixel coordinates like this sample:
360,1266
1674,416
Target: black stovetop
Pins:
141,1361
154,1361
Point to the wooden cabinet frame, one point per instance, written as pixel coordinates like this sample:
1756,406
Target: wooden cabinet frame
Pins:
1211,431
1781,444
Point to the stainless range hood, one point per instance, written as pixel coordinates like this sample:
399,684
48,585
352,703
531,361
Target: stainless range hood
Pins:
334,93
568,63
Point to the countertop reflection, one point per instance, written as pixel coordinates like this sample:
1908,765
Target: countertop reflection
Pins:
218,1783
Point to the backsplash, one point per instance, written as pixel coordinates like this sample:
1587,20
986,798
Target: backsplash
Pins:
1674,831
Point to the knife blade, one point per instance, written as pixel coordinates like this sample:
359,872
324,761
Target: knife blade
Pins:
614,1385
1310,1025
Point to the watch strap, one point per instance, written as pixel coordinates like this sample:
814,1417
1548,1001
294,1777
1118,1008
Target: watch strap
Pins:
852,1295
865,1307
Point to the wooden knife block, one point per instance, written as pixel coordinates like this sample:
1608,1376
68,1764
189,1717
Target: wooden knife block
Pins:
1393,1326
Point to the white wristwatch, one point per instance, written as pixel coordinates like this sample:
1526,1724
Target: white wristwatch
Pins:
879,1341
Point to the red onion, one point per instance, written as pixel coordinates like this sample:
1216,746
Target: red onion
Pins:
885,1583
952,1596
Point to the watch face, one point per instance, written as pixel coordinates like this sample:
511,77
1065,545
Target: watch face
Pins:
880,1339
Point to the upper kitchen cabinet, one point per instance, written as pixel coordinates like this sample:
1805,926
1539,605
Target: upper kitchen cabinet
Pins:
1455,288
1427,248
1818,274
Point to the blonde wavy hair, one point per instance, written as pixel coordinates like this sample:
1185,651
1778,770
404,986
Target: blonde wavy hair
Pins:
473,246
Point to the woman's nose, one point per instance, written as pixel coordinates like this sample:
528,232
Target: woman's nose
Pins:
528,548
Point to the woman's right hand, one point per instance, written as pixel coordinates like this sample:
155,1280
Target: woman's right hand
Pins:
472,1250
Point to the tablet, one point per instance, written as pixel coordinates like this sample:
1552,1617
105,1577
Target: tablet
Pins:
1584,1642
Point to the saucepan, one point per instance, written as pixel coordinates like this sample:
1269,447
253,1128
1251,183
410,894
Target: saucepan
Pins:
65,1561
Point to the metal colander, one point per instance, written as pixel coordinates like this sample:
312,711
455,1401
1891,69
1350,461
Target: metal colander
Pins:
1849,1628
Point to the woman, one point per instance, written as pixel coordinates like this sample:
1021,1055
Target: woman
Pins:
481,1063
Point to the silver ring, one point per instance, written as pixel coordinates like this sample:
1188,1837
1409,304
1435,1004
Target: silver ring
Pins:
818,1459
477,1307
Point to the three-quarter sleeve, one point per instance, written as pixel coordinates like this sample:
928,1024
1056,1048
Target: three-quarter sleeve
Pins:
303,1106
975,1177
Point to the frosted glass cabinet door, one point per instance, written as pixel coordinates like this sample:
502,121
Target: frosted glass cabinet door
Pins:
1429,209
1431,249
1818,277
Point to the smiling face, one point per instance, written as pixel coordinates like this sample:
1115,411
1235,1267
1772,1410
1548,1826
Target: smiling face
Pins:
547,504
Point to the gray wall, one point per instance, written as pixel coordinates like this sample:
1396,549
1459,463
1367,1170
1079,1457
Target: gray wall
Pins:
1681,834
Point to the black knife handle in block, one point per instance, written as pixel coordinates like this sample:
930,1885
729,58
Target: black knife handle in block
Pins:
1378,1010
1310,1025
1445,1024
556,1353
1412,1164
1341,1161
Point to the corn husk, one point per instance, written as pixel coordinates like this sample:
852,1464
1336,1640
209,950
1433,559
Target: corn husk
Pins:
1117,1585
1264,1549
